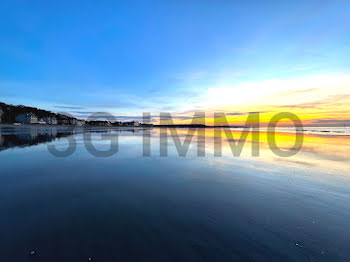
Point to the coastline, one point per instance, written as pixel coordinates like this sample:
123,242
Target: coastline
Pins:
318,131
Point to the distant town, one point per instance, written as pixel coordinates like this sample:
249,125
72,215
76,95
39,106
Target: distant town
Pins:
24,115
18,115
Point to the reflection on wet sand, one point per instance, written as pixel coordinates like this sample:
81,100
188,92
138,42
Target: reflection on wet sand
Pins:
23,136
327,152
29,136
265,208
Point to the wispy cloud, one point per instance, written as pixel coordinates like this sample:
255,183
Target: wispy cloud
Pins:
332,121
235,114
330,101
69,107
293,92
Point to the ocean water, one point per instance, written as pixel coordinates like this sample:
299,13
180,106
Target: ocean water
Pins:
131,207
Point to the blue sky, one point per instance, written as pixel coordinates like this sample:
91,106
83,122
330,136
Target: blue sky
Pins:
127,57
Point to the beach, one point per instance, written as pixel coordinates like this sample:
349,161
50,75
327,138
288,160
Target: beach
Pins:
133,208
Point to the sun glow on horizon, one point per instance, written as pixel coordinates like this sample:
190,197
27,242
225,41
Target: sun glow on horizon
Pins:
316,100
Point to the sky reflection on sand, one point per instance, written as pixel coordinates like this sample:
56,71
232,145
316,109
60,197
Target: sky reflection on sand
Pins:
172,208
327,153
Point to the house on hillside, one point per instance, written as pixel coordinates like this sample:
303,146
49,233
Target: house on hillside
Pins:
27,118
80,122
63,121
73,121
116,123
54,121
42,121
50,120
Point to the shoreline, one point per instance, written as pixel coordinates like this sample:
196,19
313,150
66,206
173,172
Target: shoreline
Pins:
319,131
67,126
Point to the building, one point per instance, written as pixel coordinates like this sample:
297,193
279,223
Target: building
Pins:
80,122
50,120
27,118
42,121
73,121
1,112
54,121
63,121
117,123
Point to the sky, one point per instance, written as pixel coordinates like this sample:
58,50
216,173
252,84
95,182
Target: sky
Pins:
130,57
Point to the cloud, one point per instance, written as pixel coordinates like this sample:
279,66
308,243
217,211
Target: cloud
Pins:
332,121
258,112
246,113
174,117
111,117
295,161
235,114
293,92
69,107
332,100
